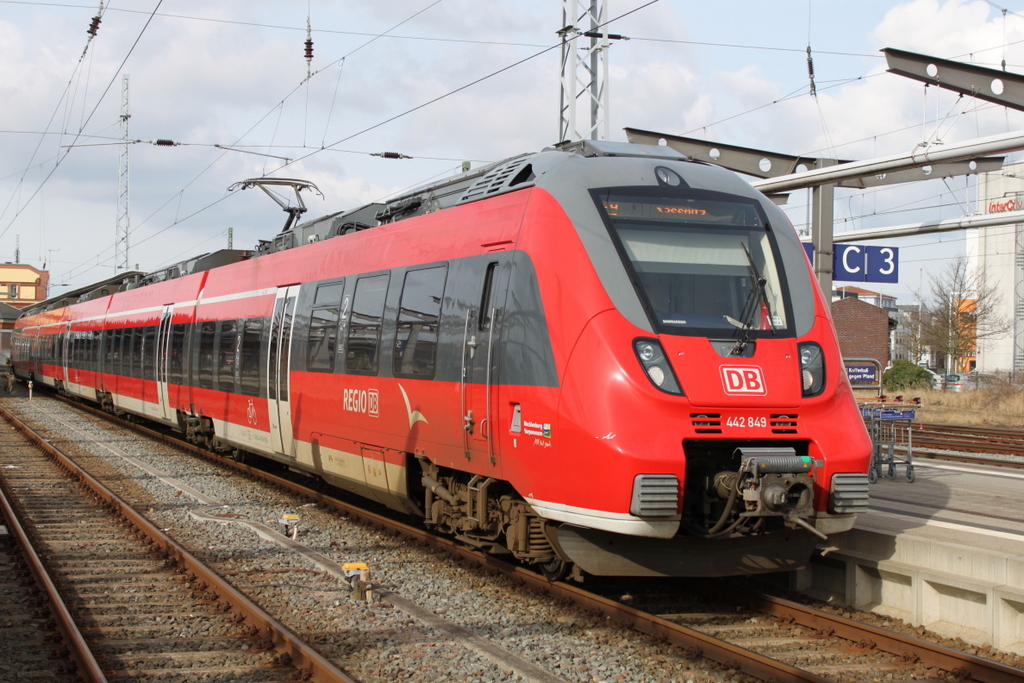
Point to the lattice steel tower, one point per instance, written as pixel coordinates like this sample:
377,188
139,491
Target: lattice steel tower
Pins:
584,71
122,222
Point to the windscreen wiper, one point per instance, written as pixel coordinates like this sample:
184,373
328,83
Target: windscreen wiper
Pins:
757,300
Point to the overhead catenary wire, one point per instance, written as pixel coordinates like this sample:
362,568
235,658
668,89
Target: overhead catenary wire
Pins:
397,116
178,196
53,115
335,144
88,118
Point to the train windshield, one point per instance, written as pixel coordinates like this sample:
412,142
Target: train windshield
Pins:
705,262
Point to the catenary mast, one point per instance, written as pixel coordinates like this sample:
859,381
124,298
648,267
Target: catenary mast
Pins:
122,222
584,71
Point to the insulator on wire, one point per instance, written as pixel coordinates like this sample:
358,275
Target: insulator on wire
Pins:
94,26
810,71
390,155
309,48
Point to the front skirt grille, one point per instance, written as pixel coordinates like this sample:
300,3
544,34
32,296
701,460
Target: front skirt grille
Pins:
849,493
655,495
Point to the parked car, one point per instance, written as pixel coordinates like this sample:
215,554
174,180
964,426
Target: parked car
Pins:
958,382
971,381
937,380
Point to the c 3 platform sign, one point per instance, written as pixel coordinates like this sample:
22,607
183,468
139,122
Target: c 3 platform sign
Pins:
859,263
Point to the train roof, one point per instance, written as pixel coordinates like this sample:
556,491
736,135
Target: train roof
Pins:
508,175
512,174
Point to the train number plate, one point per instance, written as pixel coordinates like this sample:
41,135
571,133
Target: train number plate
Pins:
743,421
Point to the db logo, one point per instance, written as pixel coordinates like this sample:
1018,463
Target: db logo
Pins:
743,379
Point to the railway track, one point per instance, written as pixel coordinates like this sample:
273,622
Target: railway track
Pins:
767,638
129,601
989,440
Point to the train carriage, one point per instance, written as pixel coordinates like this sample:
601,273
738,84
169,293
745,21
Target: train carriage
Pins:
603,358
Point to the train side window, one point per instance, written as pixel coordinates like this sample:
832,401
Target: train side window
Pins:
329,295
176,354
284,357
92,344
124,349
108,351
363,342
136,352
115,353
485,296
207,333
418,317
149,352
249,372
226,355
322,340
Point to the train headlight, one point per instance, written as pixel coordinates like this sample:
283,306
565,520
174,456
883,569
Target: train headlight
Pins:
812,368
652,358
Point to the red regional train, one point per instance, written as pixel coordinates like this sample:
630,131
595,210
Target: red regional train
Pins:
603,358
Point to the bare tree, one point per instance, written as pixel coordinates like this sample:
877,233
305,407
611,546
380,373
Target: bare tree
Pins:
962,309
908,342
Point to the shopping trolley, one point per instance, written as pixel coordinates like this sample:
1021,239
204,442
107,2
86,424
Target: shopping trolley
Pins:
889,425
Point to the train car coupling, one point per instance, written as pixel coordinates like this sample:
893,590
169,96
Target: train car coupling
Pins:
770,482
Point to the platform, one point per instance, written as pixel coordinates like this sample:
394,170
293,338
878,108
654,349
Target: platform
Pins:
945,552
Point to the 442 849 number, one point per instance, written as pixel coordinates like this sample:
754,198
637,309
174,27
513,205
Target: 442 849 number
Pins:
743,421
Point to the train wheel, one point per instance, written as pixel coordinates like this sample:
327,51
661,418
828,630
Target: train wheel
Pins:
910,474
555,570
892,472
872,474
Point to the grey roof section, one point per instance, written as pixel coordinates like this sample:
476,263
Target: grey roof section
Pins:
73,296
9,312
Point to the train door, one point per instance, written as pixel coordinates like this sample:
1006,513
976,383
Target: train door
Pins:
163,354
278,370
66,348
480,350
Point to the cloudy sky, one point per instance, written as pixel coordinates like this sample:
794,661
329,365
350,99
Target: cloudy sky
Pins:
444,81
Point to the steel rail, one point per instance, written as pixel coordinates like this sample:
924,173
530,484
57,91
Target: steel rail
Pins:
967,459
910,649
291,650
700,644
86,665
718,651
995,440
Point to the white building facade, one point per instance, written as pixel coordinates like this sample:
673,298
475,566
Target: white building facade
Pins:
998,252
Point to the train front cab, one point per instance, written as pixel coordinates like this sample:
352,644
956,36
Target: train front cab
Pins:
707,427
